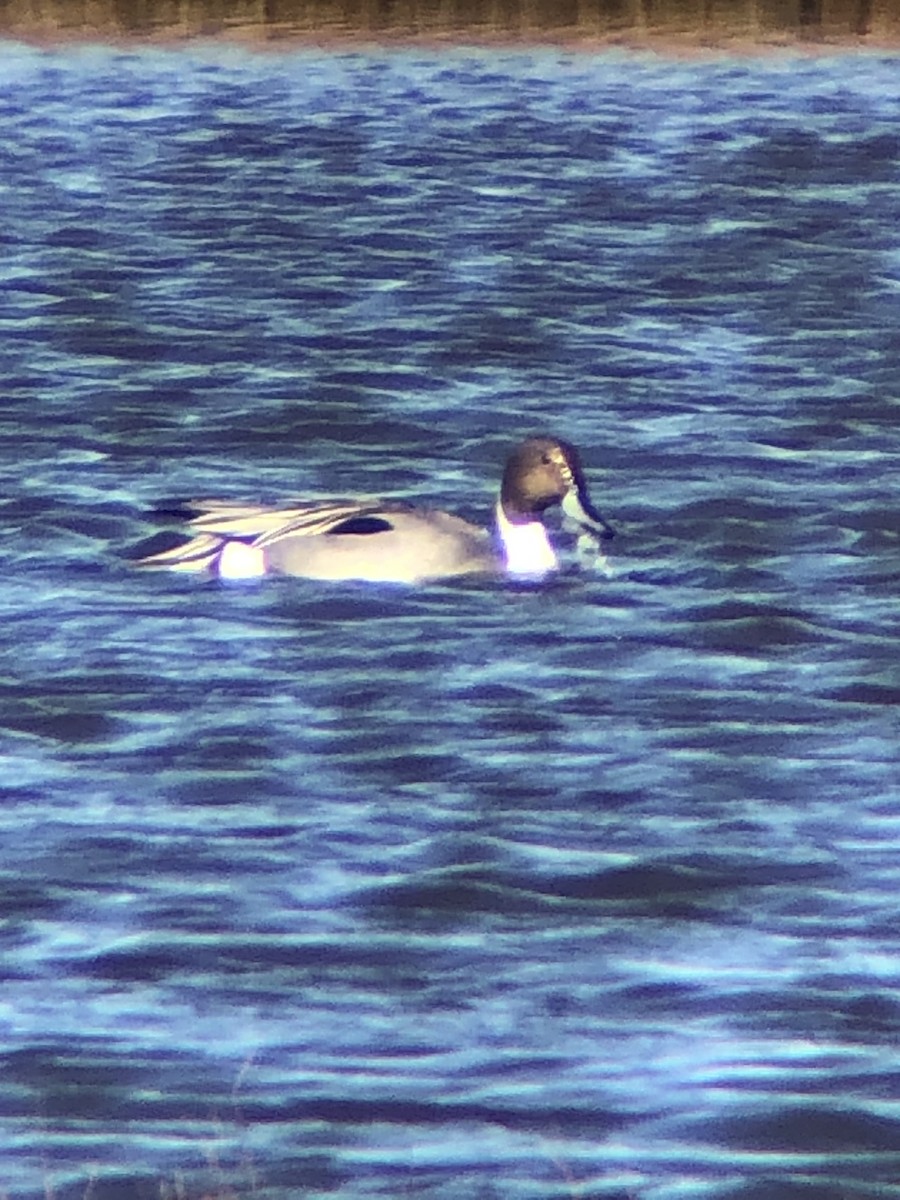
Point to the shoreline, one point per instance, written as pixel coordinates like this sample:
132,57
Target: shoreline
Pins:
700,43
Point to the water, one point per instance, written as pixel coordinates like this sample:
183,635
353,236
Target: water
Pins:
587,890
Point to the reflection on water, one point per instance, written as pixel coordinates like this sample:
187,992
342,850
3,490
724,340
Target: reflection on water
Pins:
266,20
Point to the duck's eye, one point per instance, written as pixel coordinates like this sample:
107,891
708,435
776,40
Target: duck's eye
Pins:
546,459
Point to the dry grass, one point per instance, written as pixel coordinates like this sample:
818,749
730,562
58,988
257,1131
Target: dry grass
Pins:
667,26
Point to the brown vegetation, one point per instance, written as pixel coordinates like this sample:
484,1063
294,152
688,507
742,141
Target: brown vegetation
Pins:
674,23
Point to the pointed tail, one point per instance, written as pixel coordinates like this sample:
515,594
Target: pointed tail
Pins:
199,554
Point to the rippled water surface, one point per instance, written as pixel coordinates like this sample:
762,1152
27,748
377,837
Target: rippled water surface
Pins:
583,890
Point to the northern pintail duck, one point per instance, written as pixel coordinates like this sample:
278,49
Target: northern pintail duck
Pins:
387,541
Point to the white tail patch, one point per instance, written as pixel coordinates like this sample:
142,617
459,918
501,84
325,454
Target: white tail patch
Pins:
237,560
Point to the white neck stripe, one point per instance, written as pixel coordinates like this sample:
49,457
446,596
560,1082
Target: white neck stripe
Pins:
527,549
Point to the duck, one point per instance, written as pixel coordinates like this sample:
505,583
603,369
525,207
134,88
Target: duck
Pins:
385,541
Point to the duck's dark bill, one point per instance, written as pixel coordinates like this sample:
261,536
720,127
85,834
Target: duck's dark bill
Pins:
579,509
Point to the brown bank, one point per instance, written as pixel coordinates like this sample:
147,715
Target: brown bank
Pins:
667,25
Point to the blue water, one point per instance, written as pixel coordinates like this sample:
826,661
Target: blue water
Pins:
586,890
